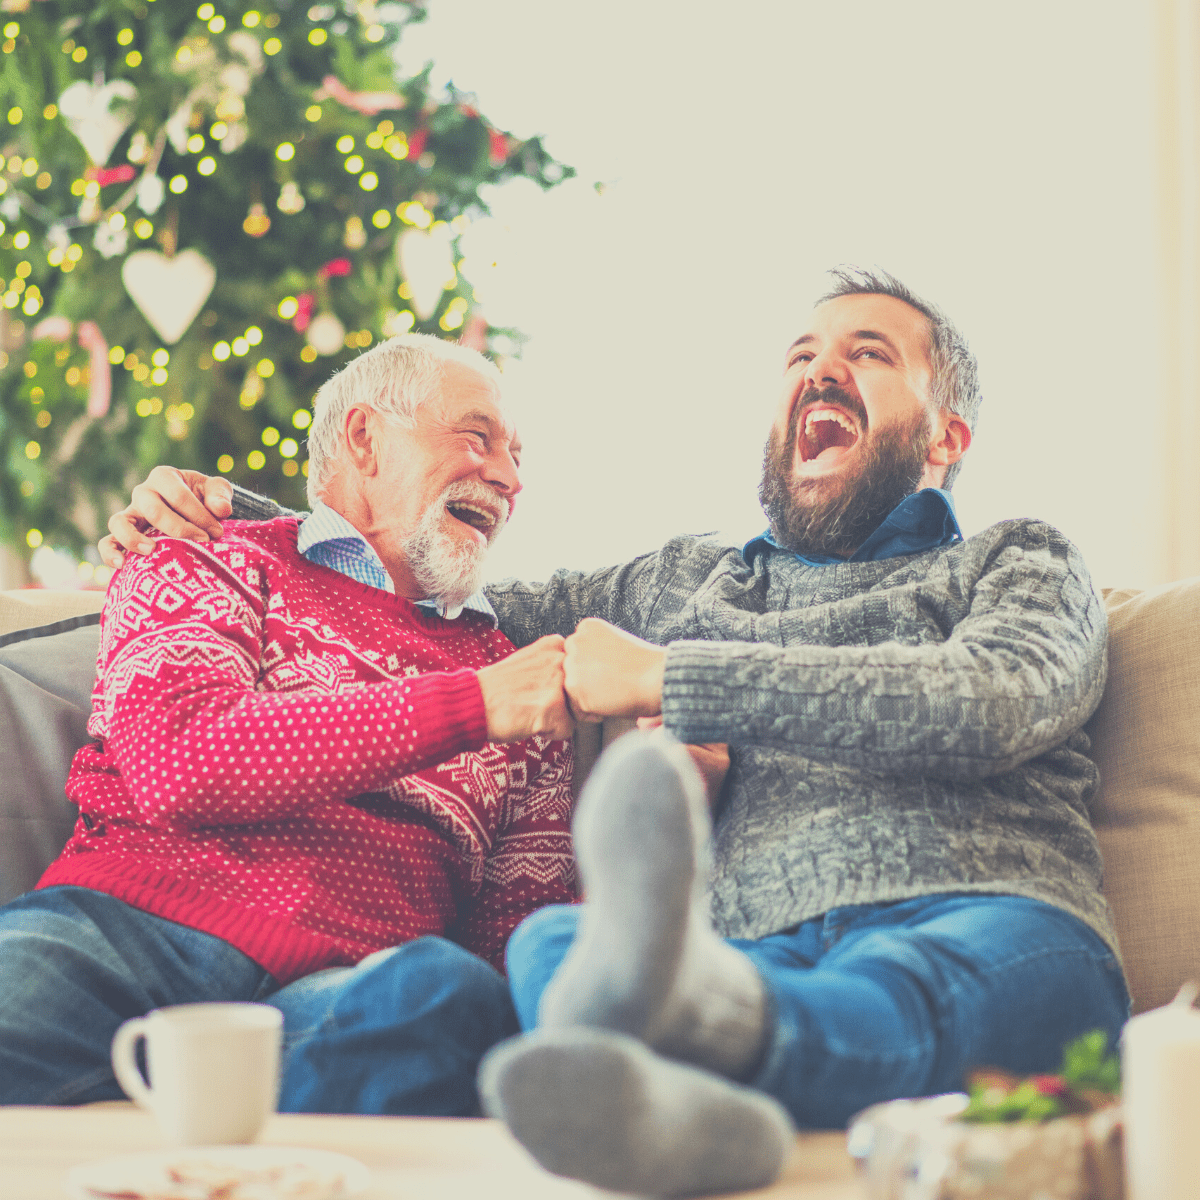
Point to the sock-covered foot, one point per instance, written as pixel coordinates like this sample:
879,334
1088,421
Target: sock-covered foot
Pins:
646,961
603,1108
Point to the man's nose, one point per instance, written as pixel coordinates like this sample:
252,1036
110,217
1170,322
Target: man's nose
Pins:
500,472
827,367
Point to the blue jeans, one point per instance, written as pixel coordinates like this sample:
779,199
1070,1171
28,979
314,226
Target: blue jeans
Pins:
873,1002
402,1032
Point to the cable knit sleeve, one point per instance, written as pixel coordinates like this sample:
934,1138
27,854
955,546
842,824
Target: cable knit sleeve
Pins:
1020,669
180,708
531,862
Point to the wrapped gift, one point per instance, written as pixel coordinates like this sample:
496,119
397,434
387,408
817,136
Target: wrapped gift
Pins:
919,1150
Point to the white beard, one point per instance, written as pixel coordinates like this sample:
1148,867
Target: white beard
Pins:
447,569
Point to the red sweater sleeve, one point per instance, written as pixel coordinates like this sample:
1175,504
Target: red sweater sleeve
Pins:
532,862
178,710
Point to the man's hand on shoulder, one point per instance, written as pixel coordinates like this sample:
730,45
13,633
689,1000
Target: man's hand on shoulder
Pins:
523,694
183,504
611,673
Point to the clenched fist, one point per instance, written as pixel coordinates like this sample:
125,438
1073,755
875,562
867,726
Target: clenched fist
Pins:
611,673
523,694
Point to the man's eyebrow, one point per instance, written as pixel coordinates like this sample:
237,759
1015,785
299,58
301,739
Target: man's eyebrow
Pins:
867,335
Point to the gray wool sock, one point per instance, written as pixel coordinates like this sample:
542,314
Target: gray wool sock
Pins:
602,1107
646,961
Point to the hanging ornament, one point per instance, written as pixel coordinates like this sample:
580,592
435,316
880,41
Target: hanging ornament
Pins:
108,175
169,292
335,268
290,200
305,303
97,114
151,192
110,242
416,142
427,265
356,236
257,222
326,334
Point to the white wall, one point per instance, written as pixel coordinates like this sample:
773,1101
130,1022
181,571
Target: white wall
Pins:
997,158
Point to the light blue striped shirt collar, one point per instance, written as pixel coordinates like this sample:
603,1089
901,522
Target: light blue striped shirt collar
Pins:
329,540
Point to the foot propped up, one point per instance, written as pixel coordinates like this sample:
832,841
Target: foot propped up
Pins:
646,961
603,1108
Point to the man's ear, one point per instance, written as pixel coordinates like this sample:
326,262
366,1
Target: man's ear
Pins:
360,437
950,441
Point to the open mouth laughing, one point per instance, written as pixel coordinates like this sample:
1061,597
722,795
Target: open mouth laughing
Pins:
827,435
476,515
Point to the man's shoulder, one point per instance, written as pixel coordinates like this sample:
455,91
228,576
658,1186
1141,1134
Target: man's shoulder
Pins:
1029,533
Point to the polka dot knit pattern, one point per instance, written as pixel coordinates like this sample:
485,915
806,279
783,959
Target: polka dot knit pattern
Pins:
297,763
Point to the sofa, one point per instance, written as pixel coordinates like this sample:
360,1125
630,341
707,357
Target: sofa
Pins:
1145,736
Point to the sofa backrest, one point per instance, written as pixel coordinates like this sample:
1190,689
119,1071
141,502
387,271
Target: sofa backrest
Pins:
1146,741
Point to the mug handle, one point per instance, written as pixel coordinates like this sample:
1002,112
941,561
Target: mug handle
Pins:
124,1063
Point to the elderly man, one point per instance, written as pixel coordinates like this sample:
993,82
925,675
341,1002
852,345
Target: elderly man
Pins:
321,778
904,880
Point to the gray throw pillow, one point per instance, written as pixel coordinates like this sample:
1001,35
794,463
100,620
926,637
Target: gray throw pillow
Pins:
46,680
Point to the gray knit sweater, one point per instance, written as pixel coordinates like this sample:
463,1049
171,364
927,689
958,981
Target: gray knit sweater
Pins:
896,728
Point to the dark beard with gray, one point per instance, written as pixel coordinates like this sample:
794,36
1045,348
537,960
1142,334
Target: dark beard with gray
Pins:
836,515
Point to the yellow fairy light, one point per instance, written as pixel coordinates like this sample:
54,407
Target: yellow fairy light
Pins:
205,11
32,305
369,181
381,219
133,58
270,436
257,222
32,449
225,464
158,376
125,37
345,144
289,447
143,228
240,346
103,575
272,46
85,571
12,29
354,164
256,460
79,54
74,251
15,115
195,143
42,419
161,357
29,168
49,112
117,221
251,19
221,351
397,146
218,130
78,187
285,152
317,37
43,181
374,33
216,25
451,319
178,184
22,270
116,355
33,539
254,335
143,407
301,418
265,368
207,165
73,377
289,306
183,54
313,113
304,468
289,467
91,189
308,354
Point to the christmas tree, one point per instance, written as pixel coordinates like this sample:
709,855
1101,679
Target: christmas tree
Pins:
203,213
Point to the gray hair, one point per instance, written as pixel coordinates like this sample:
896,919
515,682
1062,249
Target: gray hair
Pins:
395,379
955,384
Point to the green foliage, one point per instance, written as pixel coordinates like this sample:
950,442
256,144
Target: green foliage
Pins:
1089,1078
243,83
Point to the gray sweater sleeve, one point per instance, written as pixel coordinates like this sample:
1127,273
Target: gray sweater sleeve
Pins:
248,506
1021,670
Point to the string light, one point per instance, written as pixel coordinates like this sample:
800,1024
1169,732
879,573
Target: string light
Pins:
225,464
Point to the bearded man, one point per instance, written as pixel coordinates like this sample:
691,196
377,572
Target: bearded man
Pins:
902,880
321,780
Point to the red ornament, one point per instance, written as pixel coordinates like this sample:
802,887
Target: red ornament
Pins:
1049,1085
305,303
335,266
416,143
497,148
106,175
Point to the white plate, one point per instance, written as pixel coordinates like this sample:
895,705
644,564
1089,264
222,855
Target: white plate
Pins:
149,1174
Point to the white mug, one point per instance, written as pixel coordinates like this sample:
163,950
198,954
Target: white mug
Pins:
214,1069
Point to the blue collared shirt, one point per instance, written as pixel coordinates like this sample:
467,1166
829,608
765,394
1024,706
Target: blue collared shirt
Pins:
922,521
328,539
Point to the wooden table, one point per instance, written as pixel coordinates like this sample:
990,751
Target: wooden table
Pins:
410,1158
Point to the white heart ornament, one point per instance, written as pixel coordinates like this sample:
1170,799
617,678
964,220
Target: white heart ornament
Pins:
169,292
97,114
425,261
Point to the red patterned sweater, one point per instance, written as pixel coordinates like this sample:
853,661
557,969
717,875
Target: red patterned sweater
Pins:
297,763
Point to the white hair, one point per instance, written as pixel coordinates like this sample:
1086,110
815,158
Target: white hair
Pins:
395,379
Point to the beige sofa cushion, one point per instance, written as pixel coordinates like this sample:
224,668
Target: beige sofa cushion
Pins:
28,607
1146,736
